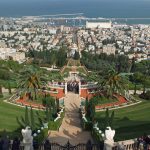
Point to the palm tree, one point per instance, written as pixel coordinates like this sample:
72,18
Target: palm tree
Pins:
29,81
114,83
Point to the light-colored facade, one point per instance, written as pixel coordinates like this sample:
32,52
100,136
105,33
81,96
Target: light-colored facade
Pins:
109,49
8,53
105,25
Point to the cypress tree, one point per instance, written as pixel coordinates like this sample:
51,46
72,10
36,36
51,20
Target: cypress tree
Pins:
32,119
27,123
112,119
107,118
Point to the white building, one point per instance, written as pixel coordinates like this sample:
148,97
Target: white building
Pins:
9,53
109,49
105,25
52,31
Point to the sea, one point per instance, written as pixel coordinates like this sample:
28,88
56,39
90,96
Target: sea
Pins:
127,11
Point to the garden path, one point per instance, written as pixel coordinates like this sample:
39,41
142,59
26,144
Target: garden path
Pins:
71,126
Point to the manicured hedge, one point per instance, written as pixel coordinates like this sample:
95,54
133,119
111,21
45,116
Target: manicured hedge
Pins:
87,125
56,125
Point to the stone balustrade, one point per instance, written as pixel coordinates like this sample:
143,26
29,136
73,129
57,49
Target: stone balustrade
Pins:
126,145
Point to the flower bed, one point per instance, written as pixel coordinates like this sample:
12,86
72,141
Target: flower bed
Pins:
24,102
58,94
121,101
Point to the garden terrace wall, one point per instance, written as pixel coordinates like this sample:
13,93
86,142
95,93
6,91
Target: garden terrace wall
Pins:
121,101
59,94
86,94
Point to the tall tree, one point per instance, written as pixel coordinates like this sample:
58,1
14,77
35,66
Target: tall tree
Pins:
4,78
28,119
114,83
61,57
29,81
145,80
136,78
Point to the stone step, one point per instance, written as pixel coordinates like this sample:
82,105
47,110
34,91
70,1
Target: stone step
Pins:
71,126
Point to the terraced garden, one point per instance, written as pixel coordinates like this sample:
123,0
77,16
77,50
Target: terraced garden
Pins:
130,122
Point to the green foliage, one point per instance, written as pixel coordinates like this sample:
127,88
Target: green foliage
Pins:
51,108
30,81
135,78
112,119
8,73
11,65
61,58
143,67
48,58
28,119
103,62
145,80
55,75
90,109
107,120
41,136
142,79
145,95
1,96
27,123
130,122
101,99
115,83
87,126
56,125
48,114
32,119
82,70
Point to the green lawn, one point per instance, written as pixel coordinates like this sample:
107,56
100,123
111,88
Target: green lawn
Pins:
8,114
131,122
5,96
66,70
81,70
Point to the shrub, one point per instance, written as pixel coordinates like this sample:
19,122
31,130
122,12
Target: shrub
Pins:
145,95
87,125
96,135
56,125
41,136
1,96
28,119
